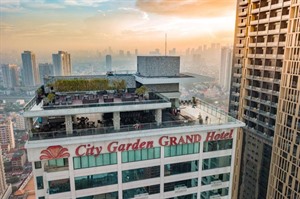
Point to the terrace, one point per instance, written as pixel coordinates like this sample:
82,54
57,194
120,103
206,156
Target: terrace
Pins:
189,114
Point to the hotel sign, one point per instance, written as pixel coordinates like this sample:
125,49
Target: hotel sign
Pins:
115,146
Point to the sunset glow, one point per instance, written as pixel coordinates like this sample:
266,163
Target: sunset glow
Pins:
48,25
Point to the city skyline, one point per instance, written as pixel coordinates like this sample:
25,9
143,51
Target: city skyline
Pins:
45,26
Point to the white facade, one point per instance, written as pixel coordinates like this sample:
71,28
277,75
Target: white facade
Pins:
77,146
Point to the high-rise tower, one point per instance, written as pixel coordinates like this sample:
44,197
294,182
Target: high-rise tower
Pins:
62,63
284,180
5,190
10,75
259,47
108,62
30,74
225,68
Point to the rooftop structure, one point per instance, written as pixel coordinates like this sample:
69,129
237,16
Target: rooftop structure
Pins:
132,127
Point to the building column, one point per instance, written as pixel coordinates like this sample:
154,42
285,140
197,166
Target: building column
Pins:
29,125
116,120
158,116
69,124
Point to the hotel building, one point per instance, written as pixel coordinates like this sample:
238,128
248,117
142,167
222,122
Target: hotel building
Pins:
261,48
94,142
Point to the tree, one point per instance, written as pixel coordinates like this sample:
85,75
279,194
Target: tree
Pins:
141,91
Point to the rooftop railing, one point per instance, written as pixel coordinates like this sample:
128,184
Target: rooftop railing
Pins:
221,116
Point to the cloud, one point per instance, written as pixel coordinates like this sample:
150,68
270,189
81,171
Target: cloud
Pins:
10,6
4,27
90,3
188,8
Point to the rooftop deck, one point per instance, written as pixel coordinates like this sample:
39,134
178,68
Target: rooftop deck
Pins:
188,115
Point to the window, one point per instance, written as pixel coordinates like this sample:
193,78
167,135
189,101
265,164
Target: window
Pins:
112,195
59,186
38,165
43,197
62,162
181,149
132,193
217,145
216,193
180,184
140,174
215,179
39,182
212,163
95,161
139,155
97,180
182,167
190,196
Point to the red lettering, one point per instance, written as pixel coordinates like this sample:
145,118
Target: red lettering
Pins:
161,143
149,144
111,148
142,145
121,147
173,141
98,150
128,145
78,150
181,140
217,137
210,136
135,145
197,138
189,139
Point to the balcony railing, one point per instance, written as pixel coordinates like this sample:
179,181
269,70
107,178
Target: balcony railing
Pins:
221,116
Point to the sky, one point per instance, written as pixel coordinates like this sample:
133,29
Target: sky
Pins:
52,25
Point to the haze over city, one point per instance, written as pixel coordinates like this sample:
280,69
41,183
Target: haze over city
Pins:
44,26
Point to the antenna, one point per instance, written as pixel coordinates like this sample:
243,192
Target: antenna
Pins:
165,44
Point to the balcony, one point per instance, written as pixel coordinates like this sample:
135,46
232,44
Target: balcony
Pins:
265,8
240,35
237,75
235,94
270,56
284,30
254,11
236,84
242,14
274,19
254,22
240,45
243,3
286,4
275,31
239,55
252,44
251,55
272,44
280,56
276,6
265,32
282,43
261,44
253,1
238,65
242,24
252,33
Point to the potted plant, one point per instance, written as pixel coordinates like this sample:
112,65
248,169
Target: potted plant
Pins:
141,91
51,97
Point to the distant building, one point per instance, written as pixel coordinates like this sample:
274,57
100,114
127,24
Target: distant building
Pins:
7,133
18,160
136,52
10,75
20,122
5,190
30,73
172,52
62,63
225,68
45,69
108,61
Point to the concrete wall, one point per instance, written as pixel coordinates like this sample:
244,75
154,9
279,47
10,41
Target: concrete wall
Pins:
158,66
163,87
